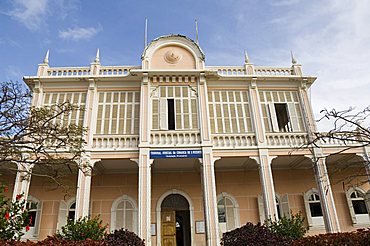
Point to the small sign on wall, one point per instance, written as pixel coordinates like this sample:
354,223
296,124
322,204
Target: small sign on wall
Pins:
200,227
153,229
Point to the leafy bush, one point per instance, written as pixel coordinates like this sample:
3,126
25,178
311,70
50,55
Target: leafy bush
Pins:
360,237
55,241
124,237
256,235
82,229
293,227
13,216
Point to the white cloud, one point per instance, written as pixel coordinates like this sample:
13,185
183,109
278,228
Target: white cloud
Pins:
30,13
79,33
284,2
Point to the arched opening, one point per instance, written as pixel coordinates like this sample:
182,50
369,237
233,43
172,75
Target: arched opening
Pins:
175,221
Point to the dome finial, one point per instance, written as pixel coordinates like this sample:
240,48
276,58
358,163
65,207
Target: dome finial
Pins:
46,59
294,61
246,57
97,57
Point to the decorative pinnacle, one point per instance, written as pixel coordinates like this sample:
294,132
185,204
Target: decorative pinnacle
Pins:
46,59
294,61
97,57
246,57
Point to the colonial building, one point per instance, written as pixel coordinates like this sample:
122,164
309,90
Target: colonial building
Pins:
183,152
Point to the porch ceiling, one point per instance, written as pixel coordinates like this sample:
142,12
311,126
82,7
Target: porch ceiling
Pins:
109,166
291,162
235,163
176,165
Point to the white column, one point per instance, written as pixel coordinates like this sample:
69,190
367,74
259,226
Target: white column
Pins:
145,188
209,197
326,195
84,188
267,183
22,180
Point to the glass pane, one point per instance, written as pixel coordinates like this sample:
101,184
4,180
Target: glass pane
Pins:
121,205
119,219
129,220
128,205
359,206
315,208
221,214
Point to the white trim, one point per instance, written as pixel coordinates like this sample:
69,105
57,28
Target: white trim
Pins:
159,209
114,209
358,220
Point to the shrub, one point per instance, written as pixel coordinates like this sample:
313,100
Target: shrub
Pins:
13,216
293,227
82,229
249,234
124,237
360,237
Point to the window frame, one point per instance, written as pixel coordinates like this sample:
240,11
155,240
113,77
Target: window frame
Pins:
64,207
282,207
358,219
33,232
314,222
224,226
114,212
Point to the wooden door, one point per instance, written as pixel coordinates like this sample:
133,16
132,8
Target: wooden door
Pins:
168,228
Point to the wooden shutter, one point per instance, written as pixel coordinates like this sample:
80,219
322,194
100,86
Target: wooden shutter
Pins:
293,117
261,209
284,206
62,215
350,206
163,122
273,118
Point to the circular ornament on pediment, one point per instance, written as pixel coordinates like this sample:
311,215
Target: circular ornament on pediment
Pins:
172,56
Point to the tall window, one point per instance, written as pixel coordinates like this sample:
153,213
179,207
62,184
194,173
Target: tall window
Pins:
67,210
282,207
71,211
228,214
229,111
174,108
76,98
358,208
313,209
118,112
34,216
124,214
281,111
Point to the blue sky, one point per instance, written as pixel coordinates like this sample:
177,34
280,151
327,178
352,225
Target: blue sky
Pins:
330,38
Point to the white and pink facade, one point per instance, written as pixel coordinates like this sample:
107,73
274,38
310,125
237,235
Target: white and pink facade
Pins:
183,152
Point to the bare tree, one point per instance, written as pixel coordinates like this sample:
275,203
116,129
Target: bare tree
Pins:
350,130
38,136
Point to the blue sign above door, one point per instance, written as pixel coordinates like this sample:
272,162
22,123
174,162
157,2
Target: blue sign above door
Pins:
155,154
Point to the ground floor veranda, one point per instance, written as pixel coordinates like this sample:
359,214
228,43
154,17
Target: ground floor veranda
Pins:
178,193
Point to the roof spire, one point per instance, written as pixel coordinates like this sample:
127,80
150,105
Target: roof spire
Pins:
294,61
97,57
246,57
46,59
196,32
146,33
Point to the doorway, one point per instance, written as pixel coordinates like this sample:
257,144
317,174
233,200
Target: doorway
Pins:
175,221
